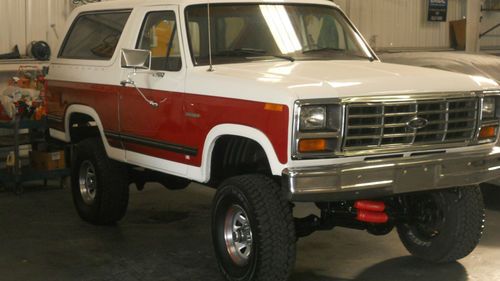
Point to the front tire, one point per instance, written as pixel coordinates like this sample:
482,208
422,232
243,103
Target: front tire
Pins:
99,185
443,226
253,230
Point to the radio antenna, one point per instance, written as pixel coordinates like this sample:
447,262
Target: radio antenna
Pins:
211,68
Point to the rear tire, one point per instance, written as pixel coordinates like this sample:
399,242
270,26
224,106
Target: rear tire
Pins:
253,230
444,226
99,185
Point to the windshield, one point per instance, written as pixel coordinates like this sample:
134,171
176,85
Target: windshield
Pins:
247,32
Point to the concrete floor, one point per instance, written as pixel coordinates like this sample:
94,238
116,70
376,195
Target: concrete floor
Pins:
166,236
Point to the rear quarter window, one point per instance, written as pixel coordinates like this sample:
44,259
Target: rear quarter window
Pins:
94,36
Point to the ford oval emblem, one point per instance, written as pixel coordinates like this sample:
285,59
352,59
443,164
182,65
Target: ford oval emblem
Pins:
417,123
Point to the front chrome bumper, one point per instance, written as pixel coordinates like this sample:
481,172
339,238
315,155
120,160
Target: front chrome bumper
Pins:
378,178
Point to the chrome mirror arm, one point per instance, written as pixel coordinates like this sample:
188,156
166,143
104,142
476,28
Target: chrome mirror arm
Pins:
131,81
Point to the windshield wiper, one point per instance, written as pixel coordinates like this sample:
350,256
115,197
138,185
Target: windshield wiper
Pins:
250,51
292,59
371,59
344,52
242,51
322,50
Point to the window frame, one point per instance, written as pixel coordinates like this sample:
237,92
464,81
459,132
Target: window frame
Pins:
347,19
177,30
73,25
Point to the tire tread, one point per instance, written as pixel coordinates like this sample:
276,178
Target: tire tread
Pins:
466,206
275,226
112,179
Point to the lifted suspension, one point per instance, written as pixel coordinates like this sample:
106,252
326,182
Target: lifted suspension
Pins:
374,216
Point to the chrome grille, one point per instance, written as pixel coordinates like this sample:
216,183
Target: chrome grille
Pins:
385,124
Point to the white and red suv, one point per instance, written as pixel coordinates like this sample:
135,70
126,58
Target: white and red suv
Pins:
272,102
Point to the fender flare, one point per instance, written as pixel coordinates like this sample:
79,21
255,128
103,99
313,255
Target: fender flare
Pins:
240,131
114,153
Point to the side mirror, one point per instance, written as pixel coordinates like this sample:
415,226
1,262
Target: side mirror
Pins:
136,59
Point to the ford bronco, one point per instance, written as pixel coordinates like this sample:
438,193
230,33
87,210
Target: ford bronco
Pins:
272,103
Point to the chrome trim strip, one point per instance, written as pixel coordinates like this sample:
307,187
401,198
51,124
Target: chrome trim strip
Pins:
408,98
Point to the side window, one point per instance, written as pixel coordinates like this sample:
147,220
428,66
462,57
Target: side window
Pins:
159,34
94,36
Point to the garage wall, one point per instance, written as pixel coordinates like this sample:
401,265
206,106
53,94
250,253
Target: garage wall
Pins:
23,21
492,40
385,24
401,23
12,24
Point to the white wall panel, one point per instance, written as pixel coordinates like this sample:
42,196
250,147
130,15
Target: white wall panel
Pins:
402,23
12,25
41,16
492,40
24,21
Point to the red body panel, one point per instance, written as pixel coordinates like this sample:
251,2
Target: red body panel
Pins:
214,111
123,111
102,98
164,124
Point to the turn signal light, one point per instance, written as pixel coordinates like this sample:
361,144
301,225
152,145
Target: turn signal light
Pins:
273,107
488,132
312,145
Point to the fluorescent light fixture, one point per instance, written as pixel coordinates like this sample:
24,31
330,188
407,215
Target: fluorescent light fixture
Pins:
281,28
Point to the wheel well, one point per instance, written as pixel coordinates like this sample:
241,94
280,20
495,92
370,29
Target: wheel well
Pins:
82,126
233,155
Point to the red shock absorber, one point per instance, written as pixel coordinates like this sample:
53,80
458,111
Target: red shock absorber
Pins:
371,211
373,206
372,217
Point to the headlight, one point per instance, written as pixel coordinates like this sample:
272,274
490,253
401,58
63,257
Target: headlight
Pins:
313,118
489,107
317,129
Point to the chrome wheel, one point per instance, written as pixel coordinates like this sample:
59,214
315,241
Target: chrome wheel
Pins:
88,182
238,235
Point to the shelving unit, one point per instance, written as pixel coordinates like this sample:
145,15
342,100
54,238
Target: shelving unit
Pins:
13,65
13,177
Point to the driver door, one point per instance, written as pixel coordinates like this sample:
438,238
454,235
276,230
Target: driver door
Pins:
149,132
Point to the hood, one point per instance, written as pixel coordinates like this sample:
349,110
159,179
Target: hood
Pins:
329,79
472,64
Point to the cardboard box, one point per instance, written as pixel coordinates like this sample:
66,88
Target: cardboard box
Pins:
47,161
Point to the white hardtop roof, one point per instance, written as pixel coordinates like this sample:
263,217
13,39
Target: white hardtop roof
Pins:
128,4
